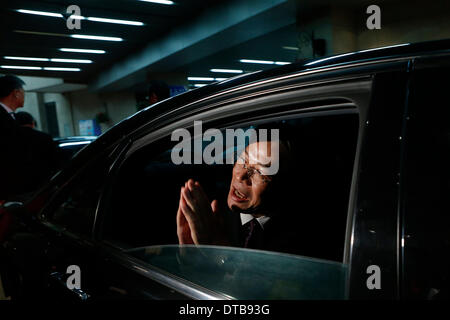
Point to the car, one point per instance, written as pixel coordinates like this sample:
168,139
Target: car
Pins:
366,193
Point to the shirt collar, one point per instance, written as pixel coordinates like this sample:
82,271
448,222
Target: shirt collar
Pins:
8,109
245,217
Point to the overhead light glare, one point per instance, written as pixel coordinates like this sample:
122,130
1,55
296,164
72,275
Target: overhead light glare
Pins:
41,13
66,144
26,58
82,50
227,70
198,85
282,63
220,79
116,21
61,69
200,79
70,60
257,61
90,37
78,17
159,1
21,67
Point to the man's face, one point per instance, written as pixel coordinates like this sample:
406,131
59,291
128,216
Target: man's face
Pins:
249,184
19,95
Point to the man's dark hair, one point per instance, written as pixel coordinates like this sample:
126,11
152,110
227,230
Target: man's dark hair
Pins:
24,118
8,84
160,88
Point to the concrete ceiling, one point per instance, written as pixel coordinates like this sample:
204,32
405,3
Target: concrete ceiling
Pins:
186,38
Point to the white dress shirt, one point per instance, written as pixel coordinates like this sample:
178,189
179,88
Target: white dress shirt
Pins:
245,217
10,111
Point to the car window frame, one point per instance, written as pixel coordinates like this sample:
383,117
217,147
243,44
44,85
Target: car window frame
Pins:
356,90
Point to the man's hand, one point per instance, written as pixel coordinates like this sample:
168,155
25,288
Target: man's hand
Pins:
198,220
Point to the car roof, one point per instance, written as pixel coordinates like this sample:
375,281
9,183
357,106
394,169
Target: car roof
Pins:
399,51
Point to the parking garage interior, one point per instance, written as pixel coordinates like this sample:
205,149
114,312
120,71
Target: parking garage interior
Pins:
71,79
88,65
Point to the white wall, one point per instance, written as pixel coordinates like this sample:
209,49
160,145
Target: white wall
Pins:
63,112
85,105
31,106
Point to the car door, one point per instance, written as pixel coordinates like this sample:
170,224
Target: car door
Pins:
139,208
58,244
424,213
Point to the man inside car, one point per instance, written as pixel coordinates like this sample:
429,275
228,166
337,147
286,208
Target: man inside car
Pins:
256,203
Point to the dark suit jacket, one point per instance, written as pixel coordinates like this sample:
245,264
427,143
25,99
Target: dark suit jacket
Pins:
27,158
9,153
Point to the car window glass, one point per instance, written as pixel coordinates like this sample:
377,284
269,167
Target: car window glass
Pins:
311,212
243,273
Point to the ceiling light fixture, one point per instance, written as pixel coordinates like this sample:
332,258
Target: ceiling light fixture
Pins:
70,60
159,1
256,61
90,37
47,59
280,63
116,21
21,67
82,50
200,79
77,17
26,58
227,70
198,85
41,13
220,79
61,69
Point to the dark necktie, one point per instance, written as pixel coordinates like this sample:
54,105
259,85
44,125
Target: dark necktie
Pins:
12,114
254,235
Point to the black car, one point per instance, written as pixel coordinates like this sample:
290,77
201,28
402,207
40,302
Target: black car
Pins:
366,194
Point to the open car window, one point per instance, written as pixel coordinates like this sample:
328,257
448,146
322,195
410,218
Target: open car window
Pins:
238,273
313,199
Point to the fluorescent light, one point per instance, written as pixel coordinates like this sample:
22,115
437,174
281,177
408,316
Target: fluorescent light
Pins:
160,1
82,50
73,16
70,60
61,69
198,85
73,143
117,21
47,59
41,13
282,63
26,58
226,70
257,61
21,67
290,48
220,79
89,37
200,79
